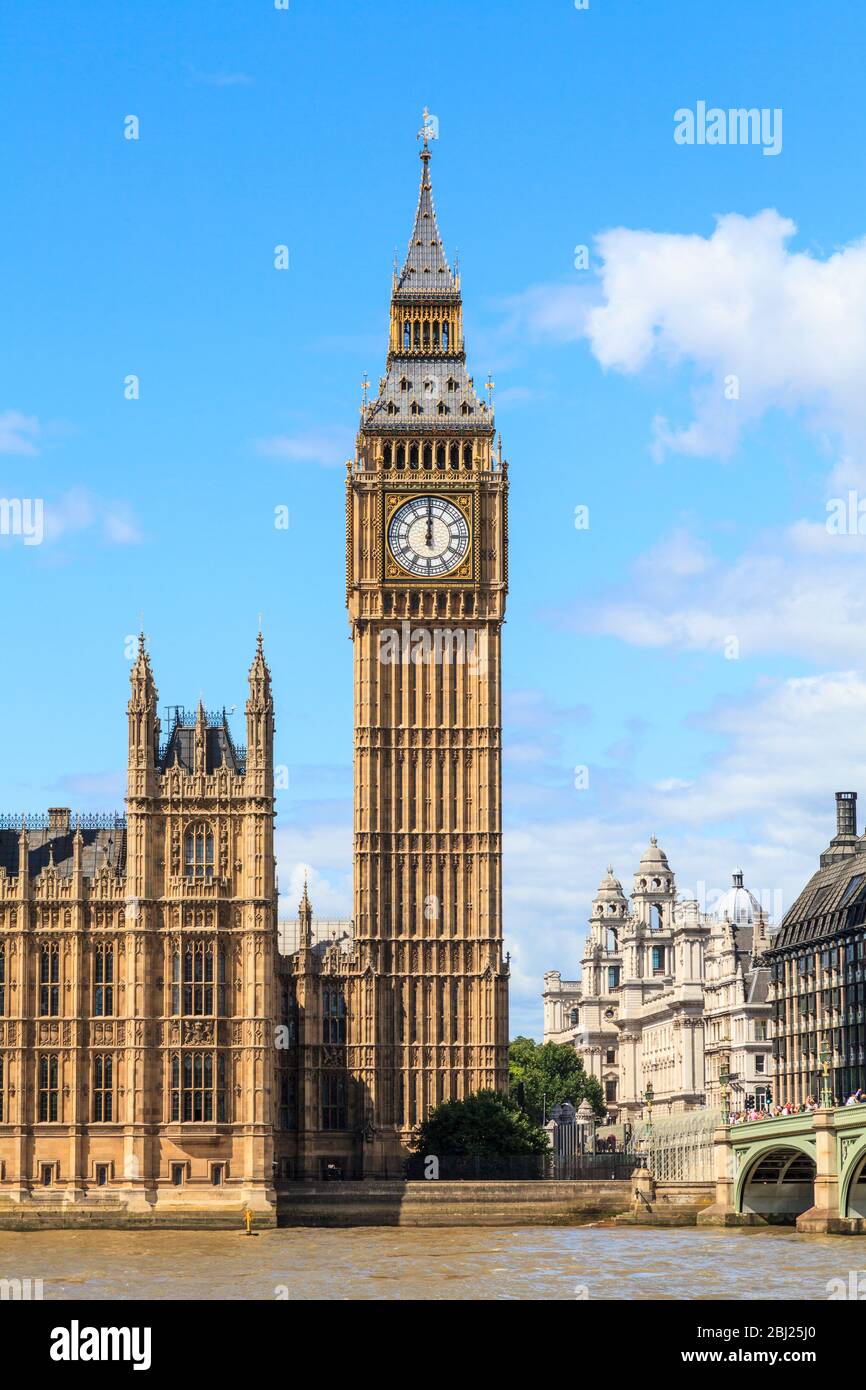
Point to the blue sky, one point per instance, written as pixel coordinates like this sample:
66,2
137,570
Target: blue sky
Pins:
707,514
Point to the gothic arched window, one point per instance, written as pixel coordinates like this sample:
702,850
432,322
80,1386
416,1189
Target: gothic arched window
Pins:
428,455
454,456
198,852
445,336
386,456
467,455
407,335
436,333
417,334
401,455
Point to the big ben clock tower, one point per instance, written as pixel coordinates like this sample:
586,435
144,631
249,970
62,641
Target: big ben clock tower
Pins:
427,573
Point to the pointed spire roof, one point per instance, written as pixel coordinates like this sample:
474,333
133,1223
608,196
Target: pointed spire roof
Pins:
141,678
259,677
426,269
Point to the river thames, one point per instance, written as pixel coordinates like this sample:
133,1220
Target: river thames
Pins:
383,1263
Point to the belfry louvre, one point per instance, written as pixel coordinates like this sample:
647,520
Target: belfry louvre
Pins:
168,1048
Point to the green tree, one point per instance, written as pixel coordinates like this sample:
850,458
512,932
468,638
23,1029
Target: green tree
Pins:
548,1074
486,1123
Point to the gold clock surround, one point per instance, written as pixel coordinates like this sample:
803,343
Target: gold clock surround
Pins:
465,500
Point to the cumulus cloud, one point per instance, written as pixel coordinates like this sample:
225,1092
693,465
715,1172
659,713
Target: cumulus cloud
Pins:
796,591
789,327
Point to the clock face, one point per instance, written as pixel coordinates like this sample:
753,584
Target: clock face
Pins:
428,536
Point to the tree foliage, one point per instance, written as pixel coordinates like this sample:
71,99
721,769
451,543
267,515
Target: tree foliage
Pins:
486,1123
550,1073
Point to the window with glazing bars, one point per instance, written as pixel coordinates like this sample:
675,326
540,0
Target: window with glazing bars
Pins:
334,1107
198,1087
47,1070
49,981
103,981
198,979
198,852
333,1016
103,1087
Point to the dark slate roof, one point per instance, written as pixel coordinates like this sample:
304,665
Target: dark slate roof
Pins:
101,847
429,381
220,749
833,901
426,270
757,985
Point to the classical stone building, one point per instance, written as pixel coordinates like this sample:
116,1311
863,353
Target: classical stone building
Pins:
669,996
817,964
165,1044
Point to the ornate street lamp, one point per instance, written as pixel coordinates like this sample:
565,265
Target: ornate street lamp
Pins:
824,1057
725,1082
648,1098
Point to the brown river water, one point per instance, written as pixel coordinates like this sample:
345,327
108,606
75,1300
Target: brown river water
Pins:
538,1262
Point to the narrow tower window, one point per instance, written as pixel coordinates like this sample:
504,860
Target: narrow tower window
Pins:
103,981
198,854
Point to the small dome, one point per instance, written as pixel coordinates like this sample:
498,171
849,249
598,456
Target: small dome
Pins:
610,887
738,904
653,857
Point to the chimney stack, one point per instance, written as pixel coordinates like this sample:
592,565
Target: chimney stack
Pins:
59,819
846,813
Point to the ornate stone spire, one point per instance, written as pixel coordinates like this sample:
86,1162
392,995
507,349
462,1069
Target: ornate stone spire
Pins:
305,918
143,696
260,679
426,269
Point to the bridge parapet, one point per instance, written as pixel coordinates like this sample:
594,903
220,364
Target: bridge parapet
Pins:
808,1168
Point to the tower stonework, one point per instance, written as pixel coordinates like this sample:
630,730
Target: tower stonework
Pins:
427,573
137,964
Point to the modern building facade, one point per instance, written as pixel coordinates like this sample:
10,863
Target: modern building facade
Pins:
817,964
669,997
165,1042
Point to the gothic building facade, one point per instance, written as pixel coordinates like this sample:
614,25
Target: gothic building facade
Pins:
138,962
166,1045
671,999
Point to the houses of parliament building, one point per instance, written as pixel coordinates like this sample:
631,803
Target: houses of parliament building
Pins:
166,1044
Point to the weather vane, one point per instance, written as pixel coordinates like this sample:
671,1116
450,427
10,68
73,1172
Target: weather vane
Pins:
430,129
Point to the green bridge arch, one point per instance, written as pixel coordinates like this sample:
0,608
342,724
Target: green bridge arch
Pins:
848,1170
753,1153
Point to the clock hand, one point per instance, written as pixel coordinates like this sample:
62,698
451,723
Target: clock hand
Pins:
429,535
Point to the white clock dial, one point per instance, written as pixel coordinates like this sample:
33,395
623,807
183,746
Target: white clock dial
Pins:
428,536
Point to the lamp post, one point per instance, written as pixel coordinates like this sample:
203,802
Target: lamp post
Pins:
725,1081
648,1098
824,1057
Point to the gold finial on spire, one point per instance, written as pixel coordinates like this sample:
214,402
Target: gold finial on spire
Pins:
429,131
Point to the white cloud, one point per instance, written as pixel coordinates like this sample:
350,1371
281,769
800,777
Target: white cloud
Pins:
81,511
327,447
789,325
18,433
796,591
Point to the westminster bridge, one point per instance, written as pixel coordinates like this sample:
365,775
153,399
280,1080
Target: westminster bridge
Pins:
808,1168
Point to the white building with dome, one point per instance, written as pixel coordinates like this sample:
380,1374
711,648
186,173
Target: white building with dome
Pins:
669,996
